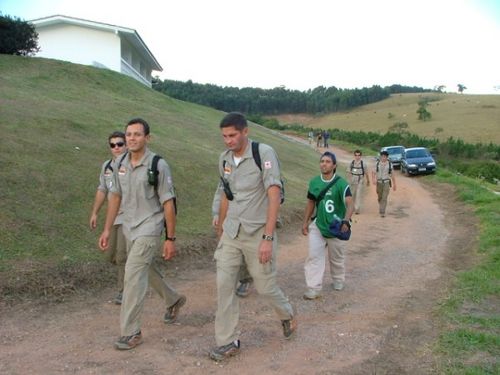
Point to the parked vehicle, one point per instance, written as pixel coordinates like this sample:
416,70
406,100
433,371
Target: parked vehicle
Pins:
395,154
417,160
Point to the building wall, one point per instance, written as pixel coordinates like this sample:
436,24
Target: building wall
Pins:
80,45
134,59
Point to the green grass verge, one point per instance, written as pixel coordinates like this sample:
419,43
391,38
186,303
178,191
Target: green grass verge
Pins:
470,344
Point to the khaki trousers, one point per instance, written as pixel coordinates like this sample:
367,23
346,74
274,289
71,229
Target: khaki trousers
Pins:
316,261
356,190
229,255
117,252
140,271
383,189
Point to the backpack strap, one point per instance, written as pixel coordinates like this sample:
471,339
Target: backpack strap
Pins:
362,168
256,154
154,171
108,166
121,159
323,192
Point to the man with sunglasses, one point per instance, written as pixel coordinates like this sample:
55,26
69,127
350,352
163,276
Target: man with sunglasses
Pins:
148,207
248,213
117,253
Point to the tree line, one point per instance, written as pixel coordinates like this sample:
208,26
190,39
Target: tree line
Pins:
250,100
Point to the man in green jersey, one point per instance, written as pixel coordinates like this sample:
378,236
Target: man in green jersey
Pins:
331,196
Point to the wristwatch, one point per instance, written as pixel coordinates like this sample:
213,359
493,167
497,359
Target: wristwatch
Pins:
267,238
170,238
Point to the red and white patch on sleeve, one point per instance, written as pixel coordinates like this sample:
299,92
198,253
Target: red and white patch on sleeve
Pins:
267,164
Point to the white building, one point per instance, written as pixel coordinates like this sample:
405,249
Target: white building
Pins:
97,44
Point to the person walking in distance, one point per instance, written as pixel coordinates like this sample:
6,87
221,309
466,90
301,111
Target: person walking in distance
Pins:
243,289
357,172
384,176
146,194
248,212
117,253
330,195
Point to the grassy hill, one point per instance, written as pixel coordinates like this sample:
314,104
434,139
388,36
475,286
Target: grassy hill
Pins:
55,118
473,118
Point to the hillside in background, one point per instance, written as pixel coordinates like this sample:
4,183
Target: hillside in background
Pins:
472,118
55,118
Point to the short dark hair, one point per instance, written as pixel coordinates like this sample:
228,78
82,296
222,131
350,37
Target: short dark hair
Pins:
139,120
331,155
116,134
358,152
235,119
384,153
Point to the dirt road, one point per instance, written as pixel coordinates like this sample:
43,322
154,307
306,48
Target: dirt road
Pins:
381,323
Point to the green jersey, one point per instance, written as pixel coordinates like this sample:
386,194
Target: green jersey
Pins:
332,206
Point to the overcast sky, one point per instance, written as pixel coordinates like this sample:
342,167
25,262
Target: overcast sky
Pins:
303,44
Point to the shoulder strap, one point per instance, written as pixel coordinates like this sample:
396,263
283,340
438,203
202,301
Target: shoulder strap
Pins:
390,167
121,159
154,169
352,165
108,166
256,154
362,168
323,192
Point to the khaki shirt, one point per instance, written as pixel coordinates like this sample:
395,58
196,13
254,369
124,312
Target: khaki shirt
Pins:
142,205
383,174
249,186
105,184
356,172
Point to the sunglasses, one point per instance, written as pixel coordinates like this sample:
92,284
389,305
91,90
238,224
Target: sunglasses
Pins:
117,144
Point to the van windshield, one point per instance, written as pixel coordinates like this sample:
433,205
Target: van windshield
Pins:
395,150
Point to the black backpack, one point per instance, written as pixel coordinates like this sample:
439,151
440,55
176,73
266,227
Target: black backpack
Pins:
152,174
390,166
362,167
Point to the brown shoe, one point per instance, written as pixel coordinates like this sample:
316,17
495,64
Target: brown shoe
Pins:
173,311
129,342
289,327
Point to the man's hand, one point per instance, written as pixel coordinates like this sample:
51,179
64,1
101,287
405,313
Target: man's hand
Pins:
168,250
305,229
104,240
93,221
265,251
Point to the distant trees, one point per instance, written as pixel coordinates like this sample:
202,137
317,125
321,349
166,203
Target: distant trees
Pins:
439,88
278,100
17,37
423,113
461,88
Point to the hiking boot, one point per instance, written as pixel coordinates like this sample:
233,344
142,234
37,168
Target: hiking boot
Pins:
312,294
225,351
129,342
173,311
243,289
338,285
118,298
289,327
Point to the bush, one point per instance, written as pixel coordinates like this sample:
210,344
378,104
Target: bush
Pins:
17,37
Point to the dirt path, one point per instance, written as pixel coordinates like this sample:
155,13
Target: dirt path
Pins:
381,323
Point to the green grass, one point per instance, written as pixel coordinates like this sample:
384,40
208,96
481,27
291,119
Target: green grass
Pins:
471,342
472,118
55,118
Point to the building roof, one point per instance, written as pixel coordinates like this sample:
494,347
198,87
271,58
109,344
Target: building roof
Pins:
130,35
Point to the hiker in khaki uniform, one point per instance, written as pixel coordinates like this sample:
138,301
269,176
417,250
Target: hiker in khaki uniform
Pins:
357,172
117,253
384,176
146,208
244,277
248,212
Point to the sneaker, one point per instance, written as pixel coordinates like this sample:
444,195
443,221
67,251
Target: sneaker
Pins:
118,298
338,285
289,327
312,294
173,311
225,351
244,289
129,342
